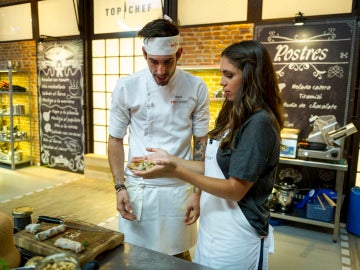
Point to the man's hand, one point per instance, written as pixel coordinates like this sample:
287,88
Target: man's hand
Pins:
123,205
192,209
158,171
164,166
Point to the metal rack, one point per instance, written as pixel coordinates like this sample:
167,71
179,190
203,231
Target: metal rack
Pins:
340,168
12,138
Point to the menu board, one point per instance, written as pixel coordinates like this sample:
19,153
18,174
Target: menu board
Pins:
314,64
61,119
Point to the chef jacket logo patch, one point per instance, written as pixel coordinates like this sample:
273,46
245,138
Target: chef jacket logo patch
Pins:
178,101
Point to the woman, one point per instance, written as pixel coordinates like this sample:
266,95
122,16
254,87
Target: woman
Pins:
240,164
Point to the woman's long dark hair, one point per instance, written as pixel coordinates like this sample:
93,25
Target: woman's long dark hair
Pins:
259,90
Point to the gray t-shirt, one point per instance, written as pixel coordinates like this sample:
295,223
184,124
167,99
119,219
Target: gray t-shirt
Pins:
255,159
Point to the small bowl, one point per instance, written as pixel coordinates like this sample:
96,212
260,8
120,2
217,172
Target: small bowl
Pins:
59,261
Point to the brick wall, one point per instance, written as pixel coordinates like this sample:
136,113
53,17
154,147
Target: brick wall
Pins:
203,45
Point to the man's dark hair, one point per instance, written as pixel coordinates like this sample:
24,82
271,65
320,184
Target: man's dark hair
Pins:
159,28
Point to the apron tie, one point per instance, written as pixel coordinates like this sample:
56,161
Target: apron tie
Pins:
261,254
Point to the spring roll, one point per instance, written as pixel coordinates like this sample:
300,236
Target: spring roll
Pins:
33,228
69,244
41,236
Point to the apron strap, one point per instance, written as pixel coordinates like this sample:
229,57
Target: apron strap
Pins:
260,266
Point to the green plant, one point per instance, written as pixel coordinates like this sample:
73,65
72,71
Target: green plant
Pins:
3,265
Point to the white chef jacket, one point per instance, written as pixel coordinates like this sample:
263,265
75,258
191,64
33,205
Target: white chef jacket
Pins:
163,117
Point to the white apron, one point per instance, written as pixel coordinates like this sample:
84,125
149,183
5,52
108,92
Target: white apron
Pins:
160,208
226,240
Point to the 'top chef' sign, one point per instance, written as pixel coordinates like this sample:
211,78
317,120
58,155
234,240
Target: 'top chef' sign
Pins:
60,81
114,16
313,63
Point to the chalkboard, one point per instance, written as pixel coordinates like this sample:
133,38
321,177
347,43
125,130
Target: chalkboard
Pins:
314,64
61,119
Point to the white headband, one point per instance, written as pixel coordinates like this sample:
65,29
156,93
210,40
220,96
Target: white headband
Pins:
162,45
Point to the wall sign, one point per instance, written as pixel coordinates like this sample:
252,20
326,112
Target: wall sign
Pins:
314,65
61,119
112,16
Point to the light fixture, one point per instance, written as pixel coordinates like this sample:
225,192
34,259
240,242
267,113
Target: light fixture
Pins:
299,18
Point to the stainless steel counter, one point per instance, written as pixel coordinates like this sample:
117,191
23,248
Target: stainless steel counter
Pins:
127,256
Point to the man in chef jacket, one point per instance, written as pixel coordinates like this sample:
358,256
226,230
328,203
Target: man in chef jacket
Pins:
166,107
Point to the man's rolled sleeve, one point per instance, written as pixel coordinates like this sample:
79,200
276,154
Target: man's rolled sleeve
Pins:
119,114
201,115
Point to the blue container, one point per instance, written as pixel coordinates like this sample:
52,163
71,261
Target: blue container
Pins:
353,222
320,212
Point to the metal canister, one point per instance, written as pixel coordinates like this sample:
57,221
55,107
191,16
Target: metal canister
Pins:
22,217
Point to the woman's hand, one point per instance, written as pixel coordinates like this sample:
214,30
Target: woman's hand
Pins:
164,164
192,209
163,168
157,154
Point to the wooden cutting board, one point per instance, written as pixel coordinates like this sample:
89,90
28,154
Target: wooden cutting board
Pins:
98,240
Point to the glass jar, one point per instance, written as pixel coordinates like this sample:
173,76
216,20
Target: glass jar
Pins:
22,217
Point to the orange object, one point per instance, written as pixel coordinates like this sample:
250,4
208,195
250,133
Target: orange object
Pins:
321,203
330,201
